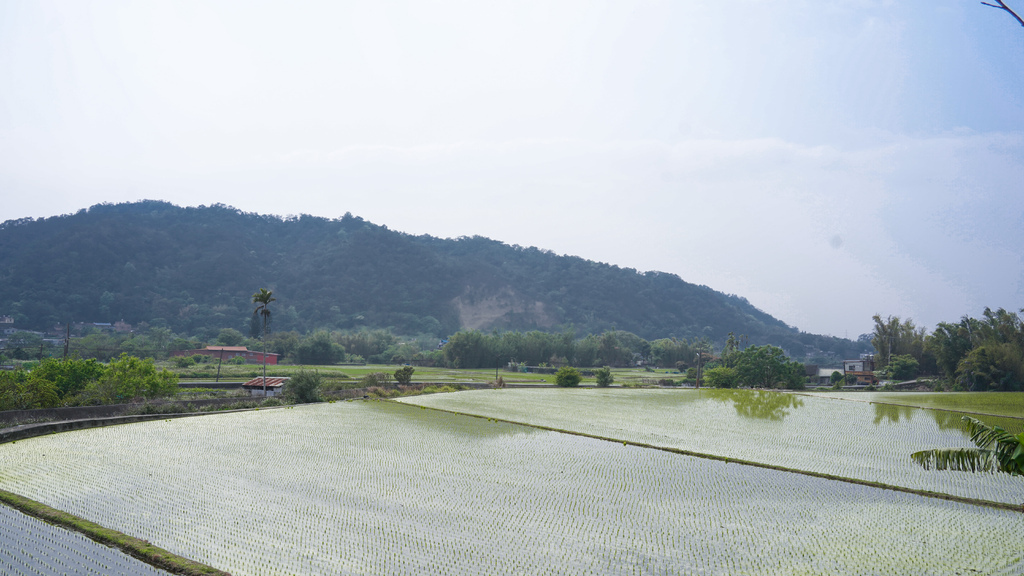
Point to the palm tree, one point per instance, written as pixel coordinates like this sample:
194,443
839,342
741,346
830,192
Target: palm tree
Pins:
997,449
261,314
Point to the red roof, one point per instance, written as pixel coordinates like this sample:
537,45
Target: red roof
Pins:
228,348
272,382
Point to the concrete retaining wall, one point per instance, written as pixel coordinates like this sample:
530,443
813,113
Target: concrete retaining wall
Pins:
13,417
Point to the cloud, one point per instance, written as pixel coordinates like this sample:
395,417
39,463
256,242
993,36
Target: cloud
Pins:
731,143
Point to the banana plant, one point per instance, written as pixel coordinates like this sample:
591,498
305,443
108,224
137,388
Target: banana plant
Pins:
996,449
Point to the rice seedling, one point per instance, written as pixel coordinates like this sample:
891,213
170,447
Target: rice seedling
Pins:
32,547
856,440
385,488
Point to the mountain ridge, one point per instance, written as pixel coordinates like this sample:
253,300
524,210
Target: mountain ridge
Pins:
195,268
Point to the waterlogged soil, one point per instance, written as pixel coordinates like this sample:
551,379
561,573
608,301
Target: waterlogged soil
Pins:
29,546
857,440
1009,404
389,488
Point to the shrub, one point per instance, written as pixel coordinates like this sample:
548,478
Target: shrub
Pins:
404,375
304,388
796,384
604,376
568,377
20,390
184,361
381,379
379,392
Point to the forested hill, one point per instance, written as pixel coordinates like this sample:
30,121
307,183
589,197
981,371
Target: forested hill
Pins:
195,269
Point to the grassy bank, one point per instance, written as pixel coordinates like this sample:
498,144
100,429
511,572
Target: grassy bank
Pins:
140,549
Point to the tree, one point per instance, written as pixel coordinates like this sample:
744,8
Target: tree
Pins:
950,343
20,390
903,367
992,366
702,356
318,348
722,377
304,388
128,378
70,376
981,354
604,377
261,316
765,367
892,337
609,350
729,351
1002,6
568,377
229,337
404,375
996,449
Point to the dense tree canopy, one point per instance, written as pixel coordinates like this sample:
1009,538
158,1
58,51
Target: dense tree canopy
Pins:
984,353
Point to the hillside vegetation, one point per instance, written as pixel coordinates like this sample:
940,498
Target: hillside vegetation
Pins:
193,270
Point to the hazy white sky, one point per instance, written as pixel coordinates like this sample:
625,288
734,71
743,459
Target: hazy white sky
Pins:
826,160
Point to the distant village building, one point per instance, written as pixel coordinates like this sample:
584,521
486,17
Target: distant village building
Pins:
230,352
863,368
85,327
7,326
274,386
825,375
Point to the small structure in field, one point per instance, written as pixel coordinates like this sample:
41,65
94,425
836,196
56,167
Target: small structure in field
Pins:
274,386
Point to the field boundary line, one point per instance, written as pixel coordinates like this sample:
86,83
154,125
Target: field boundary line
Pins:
139,549
809,395
726,459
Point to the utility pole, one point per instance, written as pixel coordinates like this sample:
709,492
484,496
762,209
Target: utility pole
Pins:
698,368
219,360
67,340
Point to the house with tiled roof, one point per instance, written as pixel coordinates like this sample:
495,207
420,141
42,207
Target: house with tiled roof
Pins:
274,386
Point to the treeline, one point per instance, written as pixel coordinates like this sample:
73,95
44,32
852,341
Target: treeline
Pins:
973,354
475,349
733,366
78,382
320,347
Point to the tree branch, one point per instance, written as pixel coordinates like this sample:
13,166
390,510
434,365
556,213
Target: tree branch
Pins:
1002,6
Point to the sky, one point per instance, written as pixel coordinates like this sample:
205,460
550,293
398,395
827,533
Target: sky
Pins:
828,161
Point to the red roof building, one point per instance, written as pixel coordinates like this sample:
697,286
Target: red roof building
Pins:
274,386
